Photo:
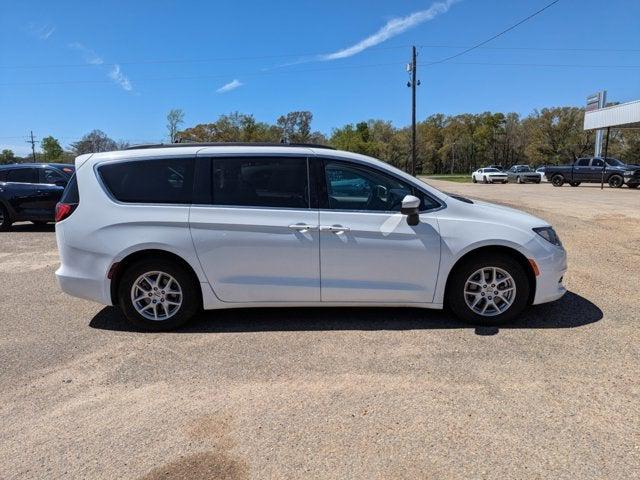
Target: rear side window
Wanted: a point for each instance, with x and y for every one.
(150, 181)
(70, 194)
(583, 162)
(261, 182)
(22, 175)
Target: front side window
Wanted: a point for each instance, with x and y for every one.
(150, 181)
(277, 182)
(22, 175)
(354, 187)
(51, 176)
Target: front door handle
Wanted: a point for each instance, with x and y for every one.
(301, 227)
(337, 229)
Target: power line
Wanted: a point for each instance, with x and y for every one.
(314, 70)
(484, 42)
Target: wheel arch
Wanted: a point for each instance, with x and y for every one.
(118, 268)
(501, 249)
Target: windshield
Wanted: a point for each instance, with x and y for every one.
(489, 170)
(614, 162)
(523, 168)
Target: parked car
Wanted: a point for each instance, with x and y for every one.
(522, 174)
(30, 191)
(214, 226)
(540, 172)
(590, 170)
(489, 175)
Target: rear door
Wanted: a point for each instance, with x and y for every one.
(23, 190)
(50, 188)
(255, 228)
(368, 251)
(581, 170)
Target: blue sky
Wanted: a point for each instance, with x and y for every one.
(70, 67)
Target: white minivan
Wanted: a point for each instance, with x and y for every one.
(167, 230)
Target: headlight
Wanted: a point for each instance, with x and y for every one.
(629, 173)
(549, 234)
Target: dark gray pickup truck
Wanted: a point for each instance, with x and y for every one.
(590, 170)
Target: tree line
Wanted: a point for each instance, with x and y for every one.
(445, 143)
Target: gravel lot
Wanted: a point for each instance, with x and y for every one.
(334, 393)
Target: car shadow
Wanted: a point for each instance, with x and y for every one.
(30, 227)
(569, 312)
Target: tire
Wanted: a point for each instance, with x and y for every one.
(5, 220)
(538, 181)
(574, 184)
(557, 180)
(473, 179)
(484, 179)
(518, 180)
(188, 286)
(616, 181)
(458, 301)
(633, 185)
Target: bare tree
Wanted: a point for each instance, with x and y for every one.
(175, 118)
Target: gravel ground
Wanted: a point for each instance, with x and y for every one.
(334, 393)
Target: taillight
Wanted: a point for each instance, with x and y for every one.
(64, 210)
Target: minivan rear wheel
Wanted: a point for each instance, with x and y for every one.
(158, 295)
(489, 289)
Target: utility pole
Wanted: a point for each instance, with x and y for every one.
(33, 146)
(413, 83)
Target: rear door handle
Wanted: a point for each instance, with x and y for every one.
(334, 228)
(301, 227)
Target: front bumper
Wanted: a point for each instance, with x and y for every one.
(549, 283)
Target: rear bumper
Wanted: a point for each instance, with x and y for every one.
(82, 287)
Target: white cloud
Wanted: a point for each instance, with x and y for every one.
(89, 55)
(393, 27)
(120, 78)
(227, 87)
(43, 32)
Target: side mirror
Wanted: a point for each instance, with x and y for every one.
(411, 208)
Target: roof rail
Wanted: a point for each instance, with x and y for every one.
(226, 144)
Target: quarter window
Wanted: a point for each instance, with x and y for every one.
(150, 181)
(278, 182)
(353, 187)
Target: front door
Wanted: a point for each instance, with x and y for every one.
(368, 252)
(257, 236)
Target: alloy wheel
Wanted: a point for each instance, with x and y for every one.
(490, 291)
(156, 295)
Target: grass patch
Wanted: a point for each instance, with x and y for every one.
(450, 178)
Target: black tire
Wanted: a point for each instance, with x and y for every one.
(557, 180)
(5, 220)
(191, 298)
(473, 179)
(633, 185)
(484, 179)
(538, 181)
(455, 296)
(574, 184)
(616, 181)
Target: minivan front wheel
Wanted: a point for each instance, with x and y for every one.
(490, 289)
(158, 295)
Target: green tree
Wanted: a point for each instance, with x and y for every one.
(7, 156)
(94, 141)
(175, 118)
(51, 149)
